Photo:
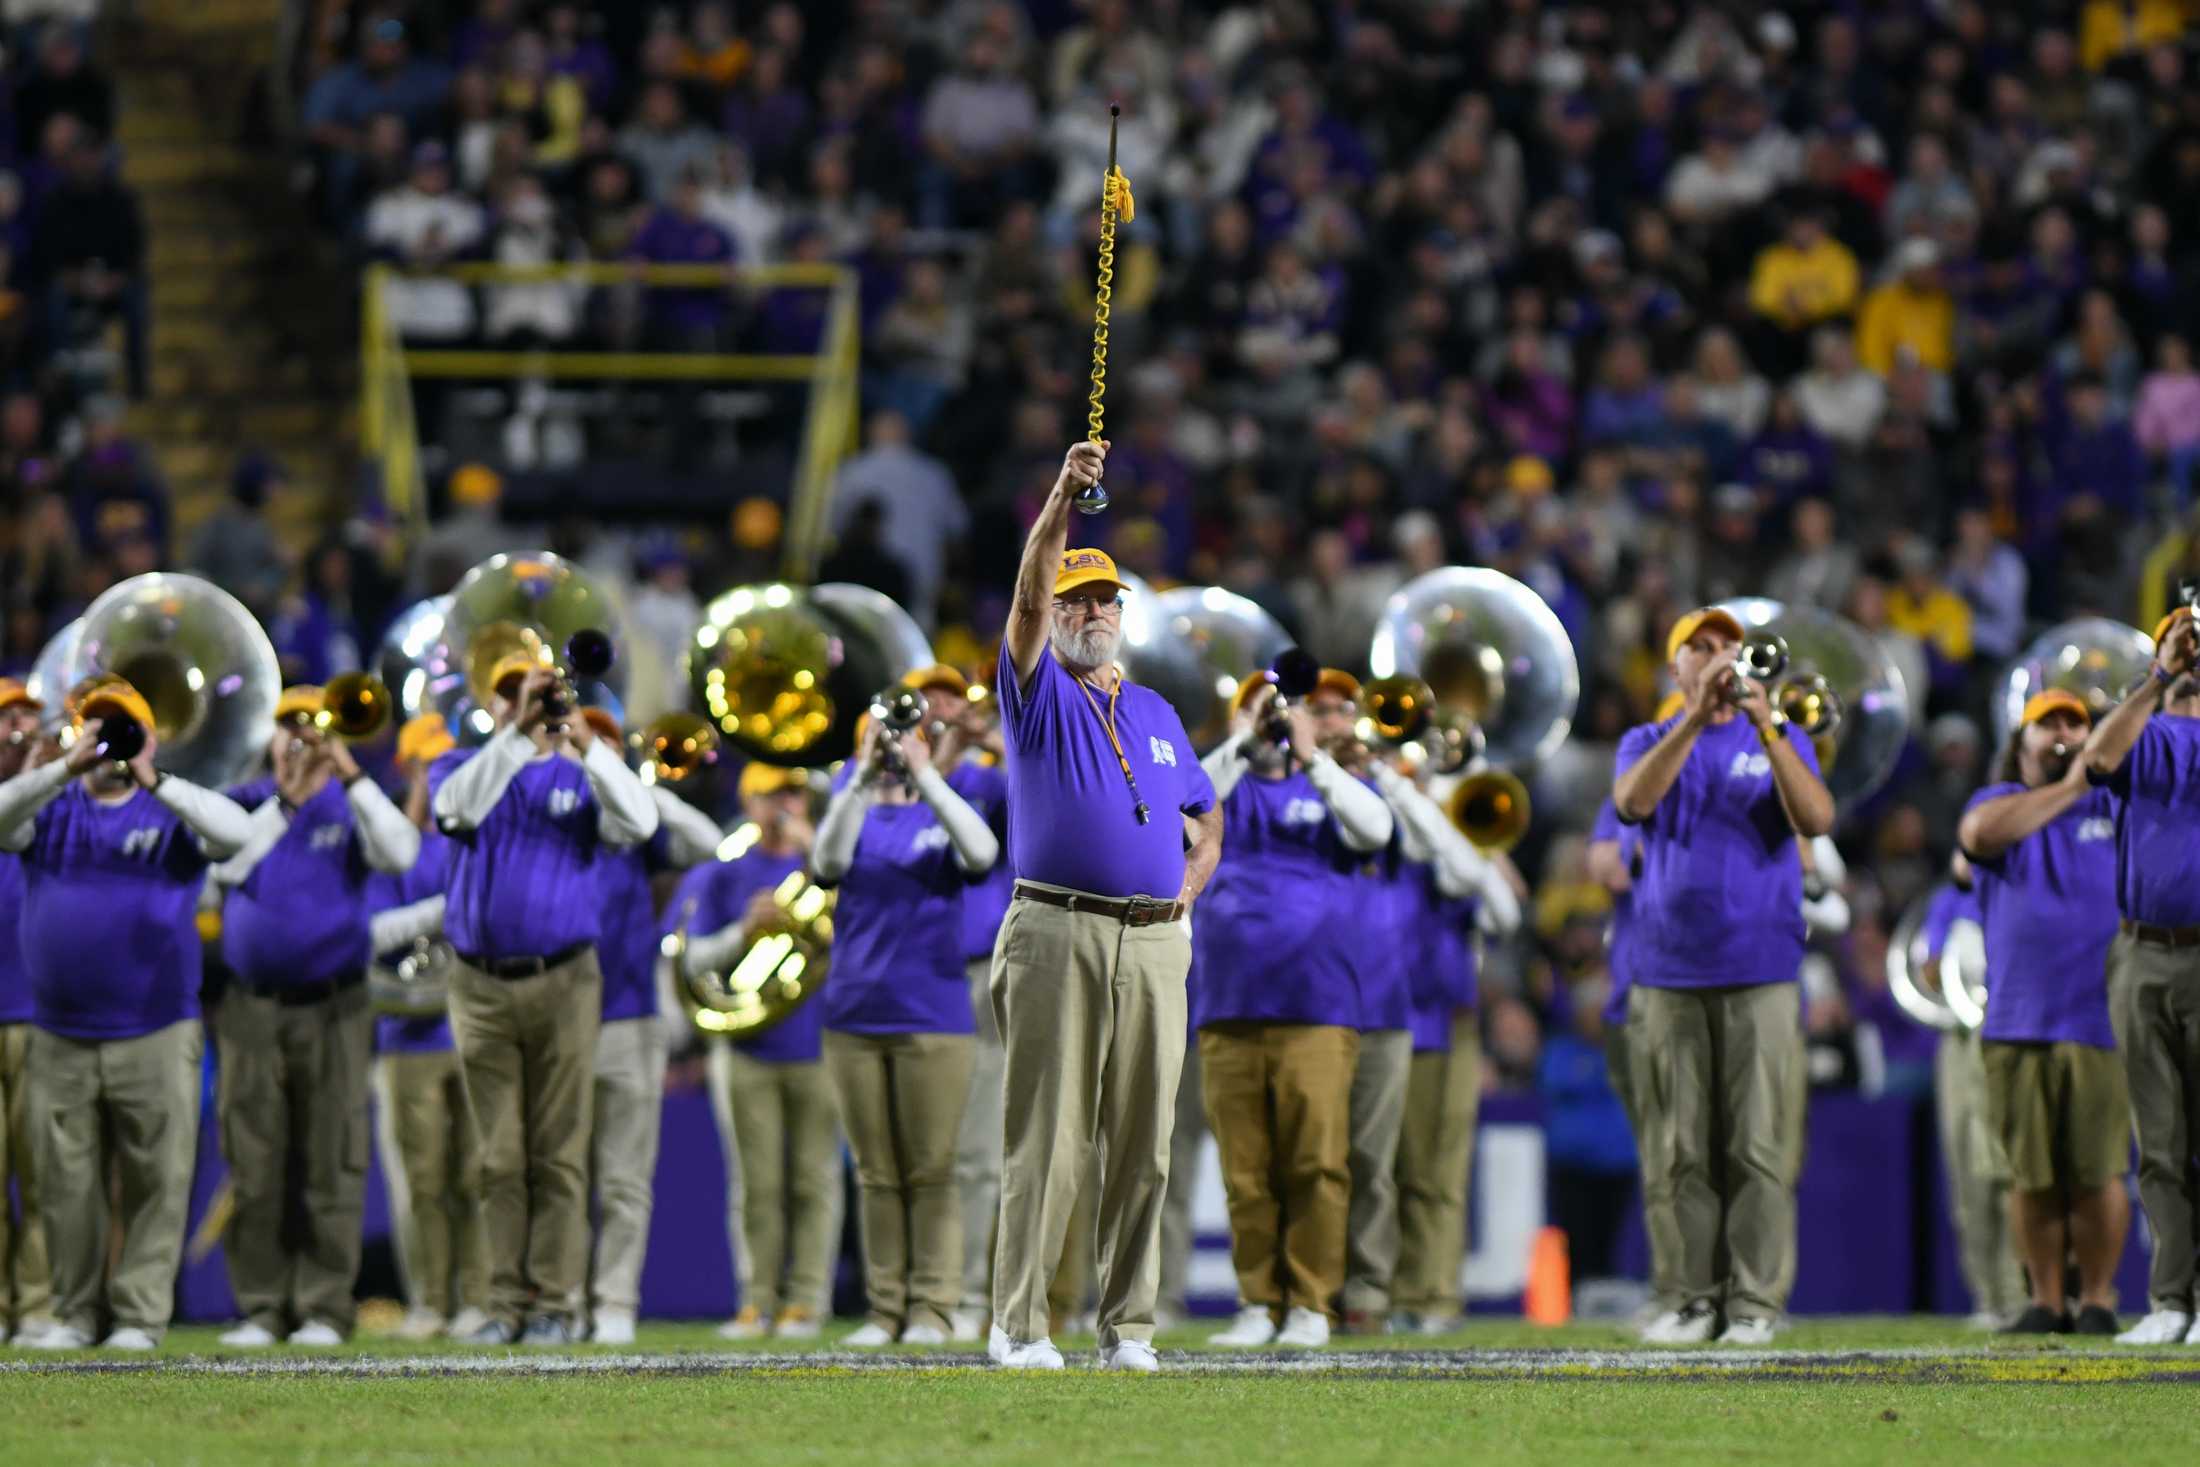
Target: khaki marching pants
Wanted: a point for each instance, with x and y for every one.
(26, 1280)
(1435, 1165)
(1623, 1047)
(978, 1149)
(901, 1098)
(1378, 1117)
(1091, 1014)
(431, 1163)
(129, 1107)
(629, 1114)
(1279, 1100)
(292, 1081)
(1178, 1227)
(2154, 1000)
(1978, 1177)
(784, 1125)
(1716, 1082)
(527, 1048)
(1071, 1287)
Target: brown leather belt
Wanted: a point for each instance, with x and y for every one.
(1137, 911)
(2154, 936)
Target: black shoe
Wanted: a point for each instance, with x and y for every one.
(547, 1330)
(2038, 1319)
(2094, 1320)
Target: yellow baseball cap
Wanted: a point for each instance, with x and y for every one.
(2176, 615)
(1085, 568)
(938, 675)
(509, 666)
(113, 695)
(603, 723)
(1697, 620)
(475, 485)
(424, 740)
(14, 694)
(2046, 701)
(300, 700)
(1669, 705)
(1339, 682)
(769, 779)
(1527, 474)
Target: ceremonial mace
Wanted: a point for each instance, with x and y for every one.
(1115, 203)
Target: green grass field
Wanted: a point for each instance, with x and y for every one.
(1846, 1391)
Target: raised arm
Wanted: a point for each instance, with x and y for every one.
(692, 837)
(2112, 739)
(625, 814)
(1990, 828)
(837, 833)
(387, 840)
(464, 800)
(1226, 765)
(268, 824)
(976, 846)
(221, 824)
(403, 926)
(1033, 607)
(22, 797)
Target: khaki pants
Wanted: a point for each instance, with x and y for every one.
(1718, 1080)
(629, 1114)
(431, 1162)
(786, 1177)
(901, 1097)
(527, 1047)
(26, 1282)
(1091, 1014)
(1177, 1232)
(1623, 1051)
(1978, 1177)
(1435, 1163)
(978, 1150)
(292, 1082)
(127, 1108)
(1279, 1098)
(1378, 1117)
(2154, 999)
(1070, 1290)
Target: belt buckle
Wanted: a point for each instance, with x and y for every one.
(1143, 911)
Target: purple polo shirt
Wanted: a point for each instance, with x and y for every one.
(430, 874)
(985, 901)
(15, 979)
(2050, 913)
(301, 916)
(666, 238)
(2158, 785)
(1388, 918)
(1265, 947)
(1070, 819)
(897, 930)
(1719, 901)
(1445, 980)
(627, 947)
(1617, 962)
(525, 882)
(719, 892)
(110, 907)
(1948, 905)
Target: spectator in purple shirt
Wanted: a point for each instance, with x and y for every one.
(385, 78)
(2098, 456)
(1788, 460)
(687, 317)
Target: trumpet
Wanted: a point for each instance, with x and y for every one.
(1294, 675)
(898, 710)
(1761, 660)
(354, 706)
(783, 966)
(1491, 809)
(1401, 712)
(677, 745)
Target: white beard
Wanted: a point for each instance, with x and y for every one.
(1081, 651)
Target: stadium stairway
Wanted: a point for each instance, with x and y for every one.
(253, 317)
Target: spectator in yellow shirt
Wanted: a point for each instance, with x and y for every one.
(1922, 605)
(1807, 278)
(1912, 312)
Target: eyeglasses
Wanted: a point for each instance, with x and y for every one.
(1085, 603)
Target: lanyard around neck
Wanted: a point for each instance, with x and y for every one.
(1107, 722)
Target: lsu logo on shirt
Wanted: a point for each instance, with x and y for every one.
(1305, 812)
(1162, 750)
(141, 842)
(1749, 766)
(326, 837)
(2100, 827)
(564, 802)
(931, 838)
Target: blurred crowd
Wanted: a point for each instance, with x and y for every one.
(1886, 309)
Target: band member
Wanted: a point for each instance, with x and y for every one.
(2152, 765)
(1721, 791)
(431, 1158)
(1614, 858)
(1088, 975)
(2043, 850)
(26, 1283)
(901, 845)
(294, 1033)
(778, 1120)
(1274, 1000)
(530, 815)
(629, 1097)
(113, 859)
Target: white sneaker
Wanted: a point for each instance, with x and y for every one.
(998, 1344)
(969, 1326)
(1133, 1355)
(467, 1321)
(1680, 1327)
(2193, 1338)
(316, 1335)
(613, 1327)
(1303, 1329)
(54, 1336)
(248, 1336)
(2162, 1327)
(420, 1324)
(130, 1338)
(1253, 1328)
(1038, 1355)
(872, 1336)
(796, 1323)
(747, 1325)
(1748, 1332)
(923, 1334)
(1987, 1321)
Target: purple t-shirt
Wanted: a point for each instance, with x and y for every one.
(429, 875)
(525, 882)
(1264, 946)
(1389, 918)
(15, 979)
(1948, 905)
(1609, 827)
(2050, 913)
(719, 892)
(1719, 901)
(301, 916)
(985, 901)
(897, 930)
(1445, 980)
(110, 908)
(627, 947)
(2158, 786)
(1070, 812)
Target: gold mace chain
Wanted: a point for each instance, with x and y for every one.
(1102, 293)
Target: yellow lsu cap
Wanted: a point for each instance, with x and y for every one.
(1695, 621)
(938, 675)
(769, 779)
(1669, 705)
(300, 700)
(113, 695)
(510, 666)
(1084, 568)
(2161, 628)
(2042, 703)
(14, 694)
(424, 740)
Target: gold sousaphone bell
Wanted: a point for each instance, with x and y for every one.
(782, 967)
